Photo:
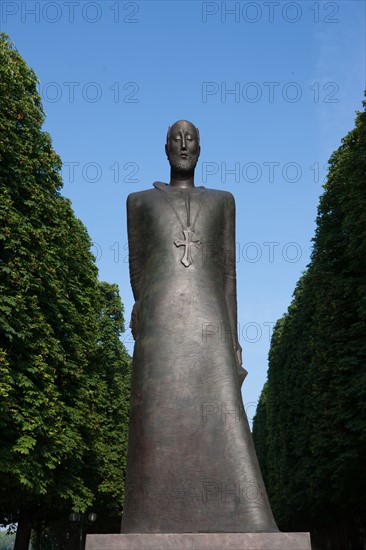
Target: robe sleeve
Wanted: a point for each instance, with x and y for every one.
(136, 257)
(230, 278)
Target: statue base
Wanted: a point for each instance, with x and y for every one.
(200, 541)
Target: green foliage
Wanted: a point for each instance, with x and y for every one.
(109, 384)
(48, 290)
(63, 370)
(310, 427)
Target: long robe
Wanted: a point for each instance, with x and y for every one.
(191, 464)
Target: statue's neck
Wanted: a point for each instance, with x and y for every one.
(182, 181)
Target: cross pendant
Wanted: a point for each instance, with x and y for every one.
(187, 243)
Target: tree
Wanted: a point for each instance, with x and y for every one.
(51, 313)
(312, 437)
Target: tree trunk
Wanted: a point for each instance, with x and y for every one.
(24, 529)
(38, 532)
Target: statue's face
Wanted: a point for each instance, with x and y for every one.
(183, 148)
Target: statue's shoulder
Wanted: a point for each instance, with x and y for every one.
(139, 197)
(144, 197)
(223, 195)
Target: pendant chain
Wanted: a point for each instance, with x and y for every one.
(187, 203)
(188, 229)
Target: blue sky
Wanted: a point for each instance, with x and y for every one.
(273, 87)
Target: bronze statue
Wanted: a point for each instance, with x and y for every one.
(191, 463)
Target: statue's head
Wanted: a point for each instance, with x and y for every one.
(183, 146)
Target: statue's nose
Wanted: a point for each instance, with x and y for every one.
(183, 142)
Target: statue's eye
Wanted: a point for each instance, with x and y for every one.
(177, 138)
(189, 137)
